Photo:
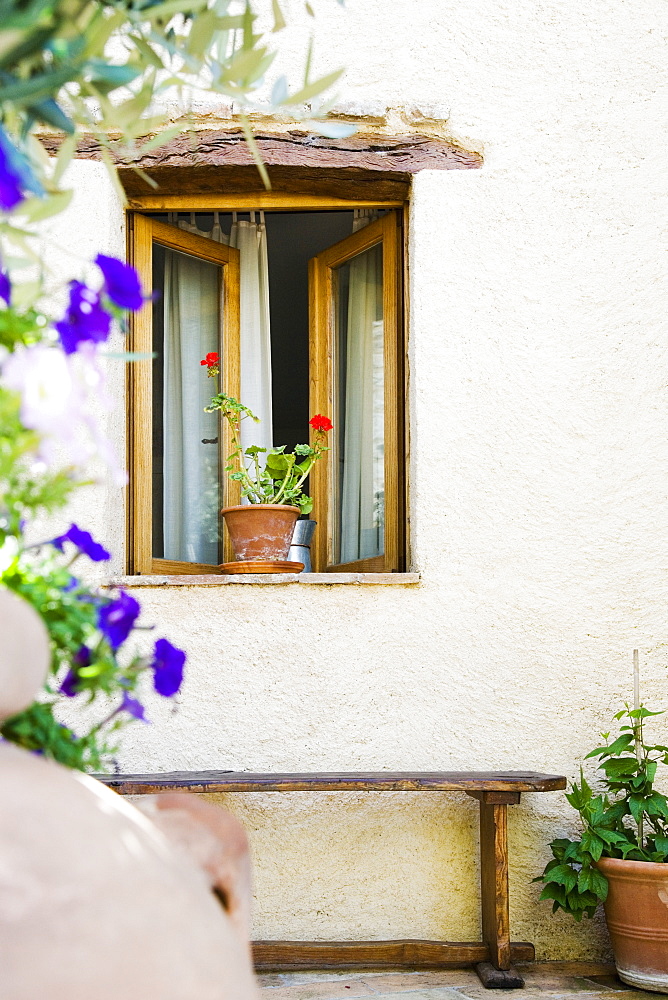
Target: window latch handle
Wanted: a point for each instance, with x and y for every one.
(209, 440)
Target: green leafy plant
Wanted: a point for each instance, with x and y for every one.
(280, 479)
(627, 819)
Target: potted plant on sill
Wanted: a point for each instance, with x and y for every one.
(261, 530)
(621, 857)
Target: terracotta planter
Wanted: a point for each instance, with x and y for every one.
(261, 532)
(636, 912)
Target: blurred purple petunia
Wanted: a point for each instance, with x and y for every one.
(134, 707)
(68, 687)
(121, 282)
(85, 319)
(84, 542)
(16, 176)
(5, 287)
(167, 668)
(116, 619)
(81, 658)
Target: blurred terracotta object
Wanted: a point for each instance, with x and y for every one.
(261, 532)
(636, 912)
(97, 902)
(24, 653)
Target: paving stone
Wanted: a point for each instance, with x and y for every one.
(396, 982)
(552, 969)
(630, 994)
(612, 981)
(438, 993)
(270, 979)
(330, 975)
(337, 989)
(562, 980)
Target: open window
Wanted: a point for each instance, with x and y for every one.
(304, 310)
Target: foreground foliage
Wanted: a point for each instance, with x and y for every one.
(628, 819)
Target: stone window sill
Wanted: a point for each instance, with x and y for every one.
(267, 579)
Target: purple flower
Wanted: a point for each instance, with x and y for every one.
(68, 687)
(121, 282)
(15, 174)
(80, 659)
(134, 707)
(116, 619)
(85, 319)
(5, 287)
(167, 668)
(84, 542)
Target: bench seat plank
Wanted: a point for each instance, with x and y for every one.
(370, 781)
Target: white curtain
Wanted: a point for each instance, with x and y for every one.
(190, 452)
(250, 239)
(190, 467)
(363, 474)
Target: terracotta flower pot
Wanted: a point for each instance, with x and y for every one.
(636, 912)
(261, 532)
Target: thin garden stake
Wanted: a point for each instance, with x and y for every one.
(637, 729)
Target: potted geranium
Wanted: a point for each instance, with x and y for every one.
(620, 858)
(271, 482)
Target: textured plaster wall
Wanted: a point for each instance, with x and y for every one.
(93, 223)
(538, 484)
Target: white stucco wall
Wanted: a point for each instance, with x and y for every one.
(538, 499)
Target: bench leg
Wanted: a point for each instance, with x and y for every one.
(498, 972)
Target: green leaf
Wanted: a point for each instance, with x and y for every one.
(50, 113)
(620, 744)
(279, 20)
(64, 158)
(564, 875)
(36, 87)
(637, 806)
(166, 11)
(599, 884)
(111, 76)
(313, 89)
(147, 53)
(593, 844)
(37, 209)
(620, 766)
(331, 129)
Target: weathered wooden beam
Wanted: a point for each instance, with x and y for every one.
(220, 162)
(294, 955)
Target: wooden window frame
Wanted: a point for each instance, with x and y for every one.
(139, 416)
(385, 232)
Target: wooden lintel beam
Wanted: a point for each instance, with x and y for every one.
(376, 167)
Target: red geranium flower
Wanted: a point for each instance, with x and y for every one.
(320, 423)
(210, 360)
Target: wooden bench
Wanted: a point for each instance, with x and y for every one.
(495, 791)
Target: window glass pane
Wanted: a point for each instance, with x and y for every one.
(186, 466)
(359, 478)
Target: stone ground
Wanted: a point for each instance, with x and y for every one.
(543, 980)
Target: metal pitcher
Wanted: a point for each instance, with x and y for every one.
(300, 547)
